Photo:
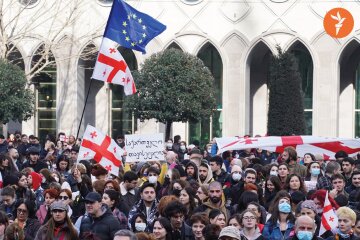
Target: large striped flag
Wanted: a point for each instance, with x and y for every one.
(329, 220)
(325, 146)
(100, 147)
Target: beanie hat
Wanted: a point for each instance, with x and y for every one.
(98, 170)
(310, 204)
(52, 192)
(36, 180)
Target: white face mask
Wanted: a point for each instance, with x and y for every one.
(140, 227)
(43, 180)
(273, 173)
(169, 145)
(153, 179)
(182, 147)
(236, 177)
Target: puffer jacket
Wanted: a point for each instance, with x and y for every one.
(141, 208)
(103, 227)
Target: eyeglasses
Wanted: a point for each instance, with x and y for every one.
(249, 218)
(19, 210)
(57, 211)
(63, 197)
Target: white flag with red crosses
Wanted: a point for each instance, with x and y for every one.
(111, 67)
(100, 147)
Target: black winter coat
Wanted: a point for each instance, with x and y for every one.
(103, 227)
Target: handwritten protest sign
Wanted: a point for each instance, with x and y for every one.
(144, 147)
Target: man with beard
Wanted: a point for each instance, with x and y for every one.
(99, 221)
(205, 174)
(216, 200)
(16, 162)
(176, 212)
(191, 171)
(147, 206)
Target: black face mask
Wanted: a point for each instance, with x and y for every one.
(122, 144)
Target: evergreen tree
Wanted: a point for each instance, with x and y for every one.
(173, 86)
(17, 101)
(286, 108)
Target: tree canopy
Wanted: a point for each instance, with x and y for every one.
(173, 86)
(286, 107)
(17, 102)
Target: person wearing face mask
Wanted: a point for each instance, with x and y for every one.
(182, 152)
(169, 145)
(280, 224)
(153, 176)
(305, 228)
(346, 222)
(273, 170)
(312, 176)
(138, 223)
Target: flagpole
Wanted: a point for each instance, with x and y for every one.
(82, 115)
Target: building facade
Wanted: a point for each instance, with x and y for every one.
(235, 39)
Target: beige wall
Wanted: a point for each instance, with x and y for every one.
(235, 29)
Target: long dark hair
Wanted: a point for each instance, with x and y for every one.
(192, 204)
(275, 181)
(70, 233)
(274, 207)
(302, 187)
(165, 223)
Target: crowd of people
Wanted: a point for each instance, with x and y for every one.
(197, 193)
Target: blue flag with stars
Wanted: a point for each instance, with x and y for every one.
(131, 28)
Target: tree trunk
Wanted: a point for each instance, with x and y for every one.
(168, 129)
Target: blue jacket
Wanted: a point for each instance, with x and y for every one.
(272, 232)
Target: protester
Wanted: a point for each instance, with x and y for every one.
(59, 225)
(99, 221)
(194, 193)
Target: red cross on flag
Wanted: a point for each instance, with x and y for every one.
(100, 147)
(329, 220)
(111, 67)
(325, 146)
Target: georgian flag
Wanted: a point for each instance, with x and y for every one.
(100, 147)
(325, 146)
(329, 220)
(111, 67)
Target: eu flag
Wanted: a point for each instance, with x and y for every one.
(131, 28)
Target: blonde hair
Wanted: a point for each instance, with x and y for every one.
(347, 213)
(81, 167)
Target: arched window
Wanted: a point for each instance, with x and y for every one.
(305, 67)
(205, 130)
(122, 121)
(45, 92)
(174, 45)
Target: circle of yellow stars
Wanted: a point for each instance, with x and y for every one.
(125, 24)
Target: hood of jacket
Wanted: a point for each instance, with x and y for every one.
(209, 176)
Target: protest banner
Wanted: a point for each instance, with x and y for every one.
(145, 147)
